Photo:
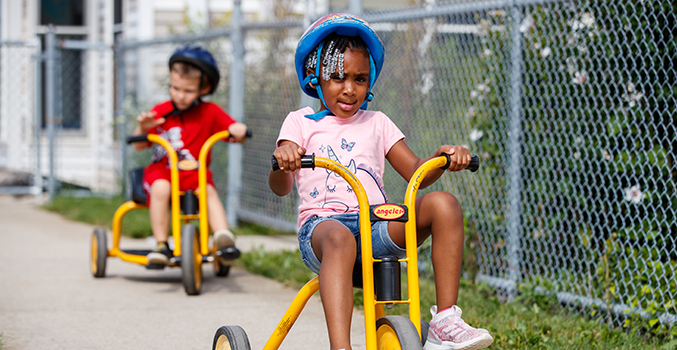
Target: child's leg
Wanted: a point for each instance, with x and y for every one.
(335, 246)
(215, 210)
(160, 194)
(218, 220)
(439, 214)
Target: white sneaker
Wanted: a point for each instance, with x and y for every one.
(223, 239)
(160, 256)
(449, 331)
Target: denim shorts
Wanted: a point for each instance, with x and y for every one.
(381, 243)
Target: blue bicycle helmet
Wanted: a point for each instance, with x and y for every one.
(341, 24)
(200, 58)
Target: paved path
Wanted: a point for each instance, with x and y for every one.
(49, 300)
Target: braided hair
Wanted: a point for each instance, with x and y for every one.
(332, 56)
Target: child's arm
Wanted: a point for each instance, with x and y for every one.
(237, 132)
(146, 121)
(405, 162)
(288, 155)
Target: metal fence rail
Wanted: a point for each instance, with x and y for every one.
(569, 104)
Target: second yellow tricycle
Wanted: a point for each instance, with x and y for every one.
(191, 240)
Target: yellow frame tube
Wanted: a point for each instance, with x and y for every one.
(175, 195)
(202, 186)
(410, 238)
(365, 239)
(292, 314)
(117, 233)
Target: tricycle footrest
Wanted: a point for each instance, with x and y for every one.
(228, 253)
(155, 266)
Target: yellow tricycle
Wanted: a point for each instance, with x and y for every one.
(191, 241)
(378, 277)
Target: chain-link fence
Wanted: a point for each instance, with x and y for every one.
(19, 143)
(570, 106)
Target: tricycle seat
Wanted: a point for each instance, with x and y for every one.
(136, 183)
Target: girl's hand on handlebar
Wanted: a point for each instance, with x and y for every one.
(288, 156)
(147, 121)
(459, 157)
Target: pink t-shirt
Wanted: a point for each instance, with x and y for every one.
(360, 143)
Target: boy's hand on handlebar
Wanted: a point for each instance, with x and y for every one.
(288, 156)
(238, 132)
(147, 121)
(459, 157)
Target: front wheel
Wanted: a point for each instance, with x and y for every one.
(396, 333)
(99, 252)
(191, 260)
(231, 338)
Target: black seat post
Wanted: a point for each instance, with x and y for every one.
(189, 203)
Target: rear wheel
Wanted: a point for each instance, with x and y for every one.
(231, 338)
(396, 333)
(99, 252)
(191, 260)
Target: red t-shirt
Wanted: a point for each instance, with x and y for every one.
(188, 131)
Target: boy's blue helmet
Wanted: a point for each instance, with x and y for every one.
(341, 24)
(199, 57)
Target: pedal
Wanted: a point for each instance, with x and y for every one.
(228, 253)
(155, 266)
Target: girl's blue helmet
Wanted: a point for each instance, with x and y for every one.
(341, 24)
(200, 58)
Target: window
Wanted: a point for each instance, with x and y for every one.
(62, 12)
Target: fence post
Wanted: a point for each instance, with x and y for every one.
(308, 18)
(355, 7)
(50, 103)
(37, 179)
(236, 110)
(119, 116)
(514, 224)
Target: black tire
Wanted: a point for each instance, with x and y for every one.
(396, 333)
(231, 338)
(99, 252)
(220, 270)
(191, 260)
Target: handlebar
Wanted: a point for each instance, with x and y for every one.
(144, 138)
(308, 161)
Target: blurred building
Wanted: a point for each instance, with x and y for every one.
(86, 151)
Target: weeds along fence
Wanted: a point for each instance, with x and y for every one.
(570, 105)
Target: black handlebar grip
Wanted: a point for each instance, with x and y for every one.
(307, 161)
(473, 166)
(138, 138)
(248, 133)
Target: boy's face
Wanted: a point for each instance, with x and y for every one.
(184, 91)
(344, 96)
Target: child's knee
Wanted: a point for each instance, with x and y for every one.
(338, 238)
(160, 188)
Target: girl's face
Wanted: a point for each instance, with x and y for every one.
(344, 96)
(184, 91)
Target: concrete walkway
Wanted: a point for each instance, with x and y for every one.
(49, 300)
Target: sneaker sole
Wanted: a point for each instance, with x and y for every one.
(477, 343)
(223, 241)
(157, 258)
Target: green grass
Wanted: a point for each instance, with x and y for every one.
(136, 224)
(532, 321)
